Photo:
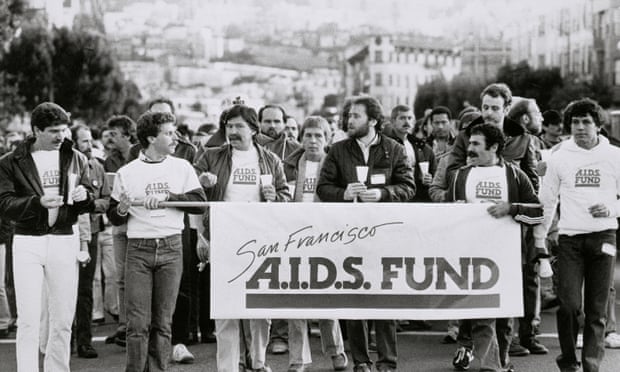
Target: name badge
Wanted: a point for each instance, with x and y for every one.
(377, 179)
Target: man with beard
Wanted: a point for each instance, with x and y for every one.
(487, 174)
(390, 179)
(419, 154)
(232, 173)
(272, 123)
(271, 119)
(82, 138)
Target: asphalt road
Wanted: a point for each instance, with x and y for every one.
(417, 351)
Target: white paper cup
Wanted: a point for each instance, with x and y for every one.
(423, 167)
(362, 173)
(70, 187)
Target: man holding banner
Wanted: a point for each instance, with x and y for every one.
(488, 179)
(154, 261)
(584, 173)
(241, 171)
(369, 167)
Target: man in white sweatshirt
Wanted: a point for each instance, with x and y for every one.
(585, 174)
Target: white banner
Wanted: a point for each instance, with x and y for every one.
(363, 261)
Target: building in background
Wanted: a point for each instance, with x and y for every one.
(391, 68)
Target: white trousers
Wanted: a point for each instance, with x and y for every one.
(45, 264)
(236, 337)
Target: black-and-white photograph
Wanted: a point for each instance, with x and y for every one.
(309, 185)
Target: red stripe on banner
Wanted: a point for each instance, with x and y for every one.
(369, 301)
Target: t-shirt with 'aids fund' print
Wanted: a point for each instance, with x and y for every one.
(47, 163)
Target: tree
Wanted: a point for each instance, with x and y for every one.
(540, 84)
(28, 65)
(431, 94)
(10, 16)
(75, 70)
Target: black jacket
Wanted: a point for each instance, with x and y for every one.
(387, 158)
(21, 190)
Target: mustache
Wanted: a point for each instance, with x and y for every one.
(472, 154)
(234, 137)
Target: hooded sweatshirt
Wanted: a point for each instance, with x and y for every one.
(582, 178)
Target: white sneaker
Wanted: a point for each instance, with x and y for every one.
(181, 355)
(612, 341)
(579, 343)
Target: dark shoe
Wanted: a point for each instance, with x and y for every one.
(4, 333)
(110, 339)
(462, 359)
(86, 351)
(114, 316)
(536, 347)
(517, 350)
(121, 339)
(208, 338)
(508, 368)
(362, 367)
(99, 321)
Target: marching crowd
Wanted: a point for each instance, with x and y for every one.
(85, 228)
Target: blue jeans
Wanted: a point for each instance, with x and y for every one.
(152, 278)
(385, 331)
(581, 261)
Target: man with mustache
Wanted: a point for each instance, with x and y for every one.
(403, 122)
(441, 138)
(44, 186)
(489, 179)
(238, 171)
(82, 138)
(390, 179)
(272, 124)
(273, 121)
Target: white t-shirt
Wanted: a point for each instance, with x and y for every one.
(47, 163)
(244, 182)
(486, 184)
(139, 179)
(310, 180)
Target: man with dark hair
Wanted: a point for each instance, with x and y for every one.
(120, 129)
(272, 124)
(487, 178)
(241, 171)
(584, 173)
(82, 139)
(441, 138)
(389, 179)
(291, 128)
(154, 261)
(552, 128)
(44, 186)
(419, 154)
(520, 148)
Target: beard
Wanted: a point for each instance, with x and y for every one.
(359, 132)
